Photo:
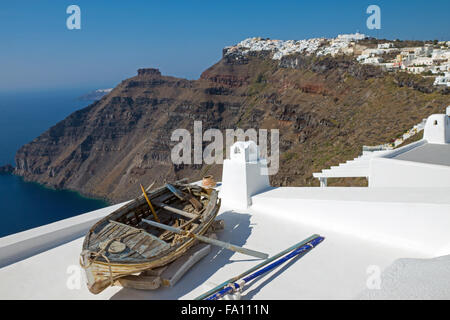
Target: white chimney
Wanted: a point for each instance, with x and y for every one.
(243, 175)
(437, 128)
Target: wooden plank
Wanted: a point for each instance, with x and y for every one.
(175, 210)
(105, 229)
(152, 244)
(164, 197)
(155, 250)
(149, 251)
(118, 232)
(133, 241)
(179, 267)
(106, 234)
(140, 282)
(110, 228)
(154, 272)
(143, 245)
(131, 227)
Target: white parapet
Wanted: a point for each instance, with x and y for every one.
(28, 243)
(244, 175)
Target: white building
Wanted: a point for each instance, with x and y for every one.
(386, 45)
(440, 68)
(423, 51)
(373, 60)
(441, 54)
(407, 58)
(362, 57)
(420, 61)
(390, 66)
(414, 69)
(373, 52)
(443, 80)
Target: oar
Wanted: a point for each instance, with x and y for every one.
(185, 197)
(215, 242)
(175, 210)
(240, 284)
(149, 204)
(150, 186)
(262, 264)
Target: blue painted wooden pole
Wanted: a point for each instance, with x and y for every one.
(234, 286)
(258, 266)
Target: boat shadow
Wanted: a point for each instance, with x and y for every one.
(237, 231)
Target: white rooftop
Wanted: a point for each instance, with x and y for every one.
(337, 269)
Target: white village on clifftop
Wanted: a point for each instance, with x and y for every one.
(430, 60)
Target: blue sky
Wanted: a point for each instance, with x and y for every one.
(181, 38)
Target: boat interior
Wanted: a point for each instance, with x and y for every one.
(124, 236)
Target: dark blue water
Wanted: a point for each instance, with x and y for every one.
(23, 116)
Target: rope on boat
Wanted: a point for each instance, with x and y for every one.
(93, 255)
(239, 285)
(101, 254)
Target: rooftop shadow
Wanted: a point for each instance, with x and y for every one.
(249, 293)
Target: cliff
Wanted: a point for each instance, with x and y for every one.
(325, 108)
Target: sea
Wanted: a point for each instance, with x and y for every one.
(23, 117)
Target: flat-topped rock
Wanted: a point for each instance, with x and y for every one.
(149, 72)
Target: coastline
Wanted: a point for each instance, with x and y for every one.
(81, 194)
(29, 204)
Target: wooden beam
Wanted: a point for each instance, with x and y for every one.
(175, 210)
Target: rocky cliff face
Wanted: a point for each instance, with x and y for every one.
(325, 108)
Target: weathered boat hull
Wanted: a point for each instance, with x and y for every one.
(102, 274)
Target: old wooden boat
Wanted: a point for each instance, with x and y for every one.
(122, 244)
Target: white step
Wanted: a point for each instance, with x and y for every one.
(342, 173)
(349, 166)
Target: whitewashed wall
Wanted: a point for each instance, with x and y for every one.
(25, 244)
(400, 173)
(414, 225)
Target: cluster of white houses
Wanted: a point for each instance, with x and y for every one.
(343, 43)
(429, 60)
